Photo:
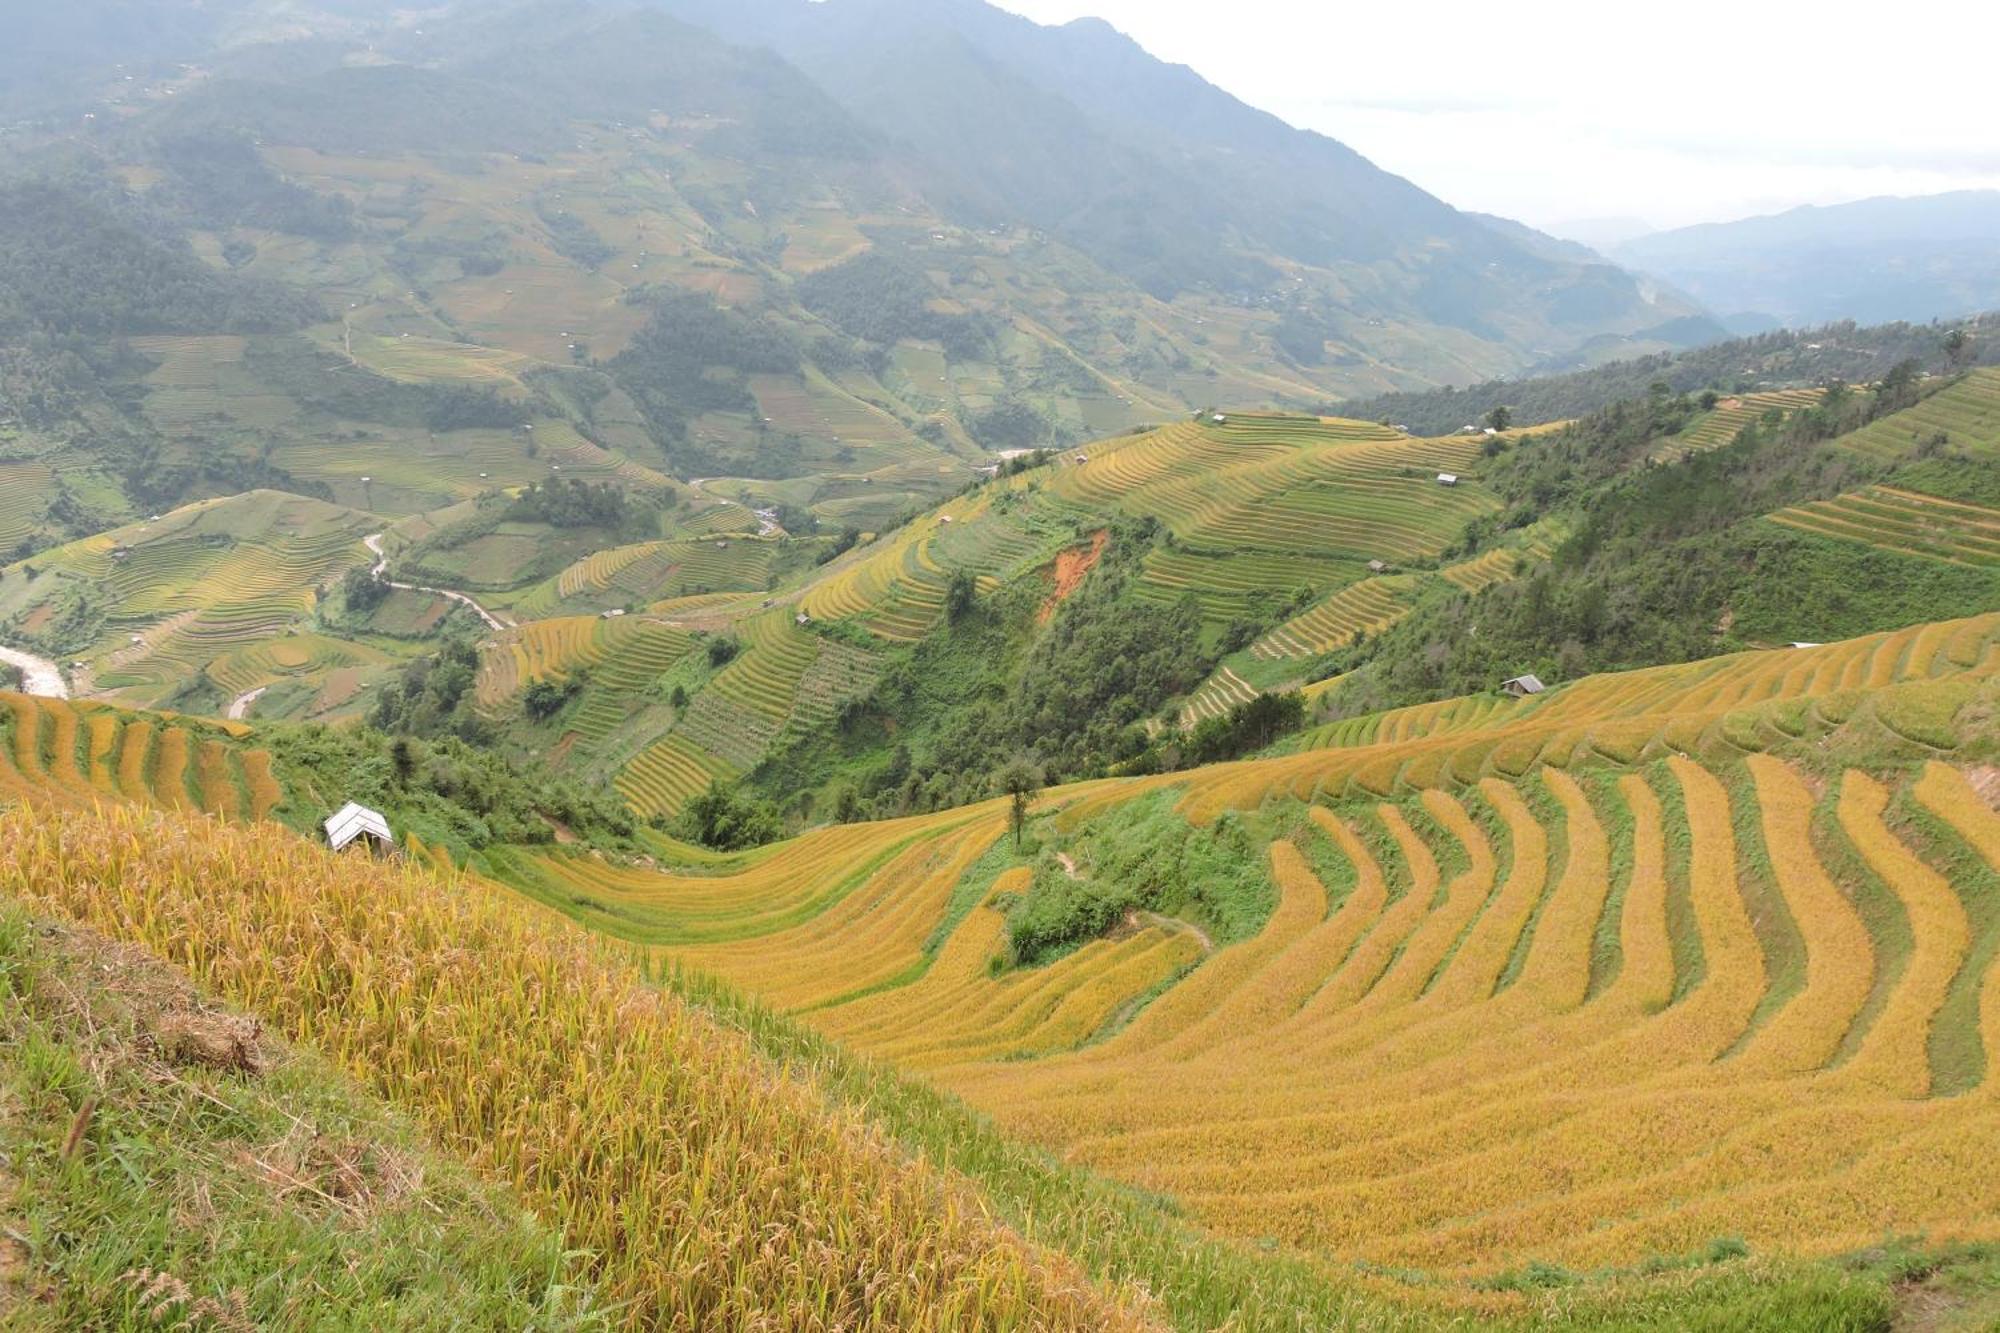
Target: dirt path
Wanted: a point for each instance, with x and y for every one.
(239, 707)
(39, 676)
(380, 574)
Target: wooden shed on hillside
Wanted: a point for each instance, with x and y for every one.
(1447, 479)
(356, 824)
(1523, 686)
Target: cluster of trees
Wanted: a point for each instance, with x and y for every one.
(218, 181)
(1144, 857)
(324, 382)
(1010, 424)
(543, 699)
(452, 794)
(573, 238)
(728, 819)
(1666, 564)
(667, 368)
(567, 502)
(996, 687)
(71, 264)
(361, 592)
(884, 299)
(432, 697)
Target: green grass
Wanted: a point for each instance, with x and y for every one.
(219, 1180)
(1770, 916)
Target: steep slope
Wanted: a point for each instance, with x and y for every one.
(1162, 177)
(1416, 1019)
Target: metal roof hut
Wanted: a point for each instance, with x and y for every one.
(1523, 686)
(1447, 479)
(358, 824)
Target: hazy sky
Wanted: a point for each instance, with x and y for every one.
(1553, 110)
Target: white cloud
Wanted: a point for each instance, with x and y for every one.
(1705, 110)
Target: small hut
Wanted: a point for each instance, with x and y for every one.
(1378, 566)
(1447, 479)
(357, 824)
(1523, 686)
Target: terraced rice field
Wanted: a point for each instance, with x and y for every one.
(1217, 695)
(897, 586)
(1336, 489)
(294, 657)
(1891, 519)
(82, 754)
(622, 654)
(1228, 587)
(650, 572)
(665, 775)
(24, 491)
(1966, 416)
(201, 584)
(435, 361)
(1730, 418)
(1360, 609)
(1580, 981)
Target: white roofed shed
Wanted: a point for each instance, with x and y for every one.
(354, 823)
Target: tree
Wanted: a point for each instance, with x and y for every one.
(1020, 780)
(1955, 344)
(724, 819)
(959, 596)
(1500, 417)
(402, 757)
(362, 591)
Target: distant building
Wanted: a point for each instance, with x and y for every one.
(358, 824)
(1221, 420)
(1523, 686)
(944, 518)
(1808, 645)
(613, 615)
(1378, 566)
(802, 619)
(1447, 479)
(1083, 458)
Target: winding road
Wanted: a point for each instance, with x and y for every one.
(40, 677)
(380, 574)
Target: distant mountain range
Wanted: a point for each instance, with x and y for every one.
(1874, 261)
(941, 111)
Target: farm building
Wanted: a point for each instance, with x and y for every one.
(1447, 479)
(1523, 686)
(1378, 566)
(358, 824)
(1083, 458)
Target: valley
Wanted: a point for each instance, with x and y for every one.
(969, 685)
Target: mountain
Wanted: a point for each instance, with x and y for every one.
(1877, 260)
(1168, 180)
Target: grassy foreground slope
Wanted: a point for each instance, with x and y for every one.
(703, 1187)
(1687, 957)
(136, 1107)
